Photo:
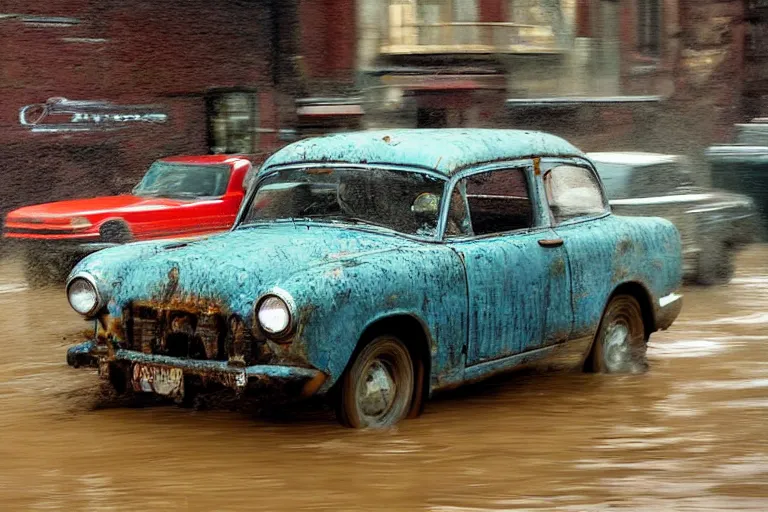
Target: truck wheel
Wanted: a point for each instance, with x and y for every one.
(716, 266)
(377, 389)
(621, 342)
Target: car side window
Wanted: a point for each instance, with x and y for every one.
(497, 202)
(573, 192)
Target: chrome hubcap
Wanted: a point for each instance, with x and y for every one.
(377, 394)
(618, 353)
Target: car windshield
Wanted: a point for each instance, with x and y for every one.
(177, 180)
(407, 202)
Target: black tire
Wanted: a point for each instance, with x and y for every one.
(621, 341)
(377, 389)
(115, 232)
(716, 265)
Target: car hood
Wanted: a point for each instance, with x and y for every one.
(93, 206)
(231, 270)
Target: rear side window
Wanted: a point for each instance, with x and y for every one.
(573, 192)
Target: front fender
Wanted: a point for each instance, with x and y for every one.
(336, 304)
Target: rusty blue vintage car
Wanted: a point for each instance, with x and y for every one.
(378, 267)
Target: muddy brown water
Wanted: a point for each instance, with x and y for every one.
(691, 434)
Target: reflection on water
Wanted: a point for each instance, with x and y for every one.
(688, 435)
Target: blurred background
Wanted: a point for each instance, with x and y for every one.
(93, 92)
(246, 76)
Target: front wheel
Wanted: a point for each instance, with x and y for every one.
(377, 389)
(621, 341)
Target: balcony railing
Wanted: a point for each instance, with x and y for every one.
(469, 37)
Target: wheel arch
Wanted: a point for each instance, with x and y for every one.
(643, 297)
(416, 336)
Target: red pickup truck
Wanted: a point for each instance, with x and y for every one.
(179, 197)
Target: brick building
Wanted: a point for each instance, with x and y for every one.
(183, 76)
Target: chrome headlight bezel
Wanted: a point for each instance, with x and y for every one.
(98, 302)
(290, 308)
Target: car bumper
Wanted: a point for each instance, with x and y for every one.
(301, 381)
(667, 310)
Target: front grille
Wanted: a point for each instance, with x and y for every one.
(177, 333)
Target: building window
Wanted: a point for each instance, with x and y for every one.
(649, 27)
(232, 121)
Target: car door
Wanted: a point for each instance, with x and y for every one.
(517, 272)
(591, 238)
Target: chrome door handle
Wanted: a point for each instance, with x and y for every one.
(551, 242)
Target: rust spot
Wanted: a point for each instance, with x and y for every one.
(334, 273)
(558, 267)
(386, 139)
(311, 387)
(190, 304)
(537, 166)
(624, 245)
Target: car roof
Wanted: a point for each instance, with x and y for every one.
(634, 158)
(203, 159)
(444, 150)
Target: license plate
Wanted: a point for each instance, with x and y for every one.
(158, 379)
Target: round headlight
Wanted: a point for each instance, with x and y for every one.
(274, 315)
(83, 296)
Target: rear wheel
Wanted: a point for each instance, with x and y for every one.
(377, 389)
(621, 341)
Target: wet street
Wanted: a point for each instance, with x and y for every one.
(691, 434)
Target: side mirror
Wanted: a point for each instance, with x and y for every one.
(426, 204)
